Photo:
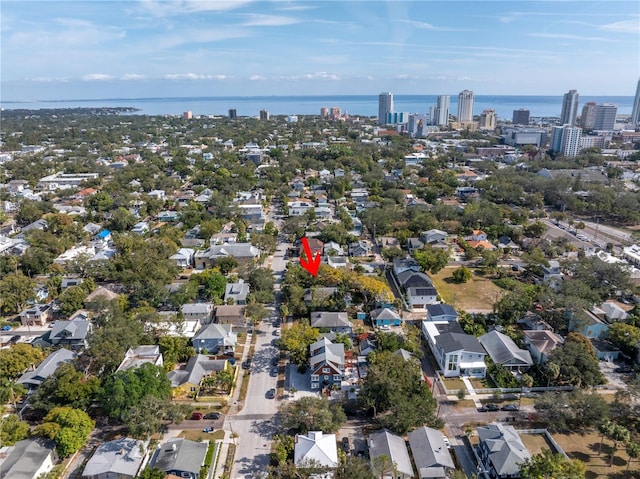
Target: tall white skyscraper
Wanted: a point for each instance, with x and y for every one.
(385, 106)
(569, 108)
(441, 114)
(635, 113)
(465, 106)
(565, 140)
(605, 117)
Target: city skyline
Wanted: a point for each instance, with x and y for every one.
(77, 49)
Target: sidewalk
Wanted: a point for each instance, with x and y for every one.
(472, 392)
(222, 456)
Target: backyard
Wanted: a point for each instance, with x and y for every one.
(476, 295)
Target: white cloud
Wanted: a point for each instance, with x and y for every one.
(404, 76)
(568, 36)
(168, 8)
(97, 77)
(201, 36)
(47, 80)
(193, 76)
(312, 76)
(257, 78)
(429, 26)
(132, 76)
(626, 26)
(269, 21)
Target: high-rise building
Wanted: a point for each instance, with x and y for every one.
(569, 108)
(565, 140)
(187, 115)
(588, 116)
(417, 126)
(520, 117)
(324, 112)
(385, 106)
(635, 113)
(233, 113)
(465, 106)
(397, 118)
(334, 112)
(488, 119)
(441, 113)
(605, 116)
(264, 114)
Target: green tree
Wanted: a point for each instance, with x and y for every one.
(633, 451)
(626, 337)
(547, 465)
(10, 392)
(261, 281)
(431, 259)
(578, 362)
(152, 473)
(462, 274)
(296, 340)
(68, 427)
(66, 387)
(72, 299)
(16, 290)
(12, 430)
(226, 265)
(313, 414)
(15, 360)
(618, 434)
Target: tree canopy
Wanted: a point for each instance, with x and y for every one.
(312, 414)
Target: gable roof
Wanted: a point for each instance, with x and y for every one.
(326, 319)
(181, 455)
(415, 279)
(429, 451)
(218, 331)
(384, 313)
(503, 350)
(506, 450)
(119, 457)
(47, 367)
(450, 342)
(197, 367)
(25, 458)
(386, 443)
(440, 309)
(324, 351)
(316, 447)
(543, 340)
(77, 328)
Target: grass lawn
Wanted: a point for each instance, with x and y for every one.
(199, 435)
(584, 447)
(478, 294)
(536, 443)
(453, 383)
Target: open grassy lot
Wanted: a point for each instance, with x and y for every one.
(478, 294)
(200, 435)
(536, 443)
(584, 447)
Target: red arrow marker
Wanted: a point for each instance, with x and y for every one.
(310, 264)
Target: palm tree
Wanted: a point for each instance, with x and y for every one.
(10, 391)
(552, 371)
(619, 434)
(606, 429)
(633, 451)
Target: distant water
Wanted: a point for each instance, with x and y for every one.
(355, 105)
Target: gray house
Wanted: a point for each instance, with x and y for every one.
(215, 338)
(34, 378)
(501, 450)
(502, 350)
(200, 311)
(336, 322)
(327, 364)
(118, 459)
(181, 457)
(386, 443)
(441, 312)
(72, 334)
(196, 369)
(430, 453)
(28, 459)
(237, 292)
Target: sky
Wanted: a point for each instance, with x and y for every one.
(62, 50)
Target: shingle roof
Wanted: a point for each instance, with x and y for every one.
(75, 329)
(197, 367)
(47, 367)
(506, 450)
(327, 352)
(384, 313)
(119, 457)
(181, 455)
(450, 342)
(325, 319)
(393, 446)
(503, 350)
(316, 447)
(429, 450)
(26, 457)
(218, 331)
(441, 309)
(413, 279)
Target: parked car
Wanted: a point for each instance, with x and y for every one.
(212, 415)
(274, 372)
(346, 444)
(275, 361)
(6, 328)
(271, 393)
(490, 407)
(196, 416)
(623, 369)
(510, 407)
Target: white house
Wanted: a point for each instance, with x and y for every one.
(184, 257)
(457, 353)
(316, 448)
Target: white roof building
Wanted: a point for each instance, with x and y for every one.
(316, 448)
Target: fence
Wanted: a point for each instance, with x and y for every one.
(524, 391)
(550, 440)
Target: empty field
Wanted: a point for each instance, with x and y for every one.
(477, 295)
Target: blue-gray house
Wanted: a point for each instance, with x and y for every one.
(385, 317)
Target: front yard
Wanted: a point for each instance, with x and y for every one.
(477, 294)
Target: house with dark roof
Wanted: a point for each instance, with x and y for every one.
(418, 288)
(386, 443)
(385, 317)
(441, 312)
(502, 350)
(28, 459)
(181, 457)
(215, 338)
(327, 364)
(430, 453)
(35, 377)
(540, 343)
(501, 450)
(338, 322)
(197, 368)
(457, 353)
(120, 458)
(72, 334)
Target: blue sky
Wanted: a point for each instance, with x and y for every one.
(55, 50)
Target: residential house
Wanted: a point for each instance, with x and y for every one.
(430, 453)
(337, 261)
(239, 251)
(336, 322)
(441, 312)
(319, 294)
(434, 236)
(457, 353)
(360, 248)
(331, 248)
(28, 459)
(501, 450)
(502, 350)
(418, 288)
(588, 324)
(386, 443)
(366, 346)
(400, 265)
(184, 257)
(34, 377)
(100, 294)
(136, 357)
(168, 216)
(327, 364)
(202, 312)
(613, 312)
(316, 449)
(181, 457)
(414, 244)
(223, 238)
(478, 239)
(385, 317)
(230, 314)
(118, 459)
(72, 334)
(236, 293)
(552, 274)
(168, 324)
(197, 368)
(140, 228)
(36, 315)
(315, 246)
(540, 343)
(216, 338)
(299, 207)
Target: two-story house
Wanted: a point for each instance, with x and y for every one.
(181, 457)
(457, 353)
(327, 364)
(501, 450)
(215, 338)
